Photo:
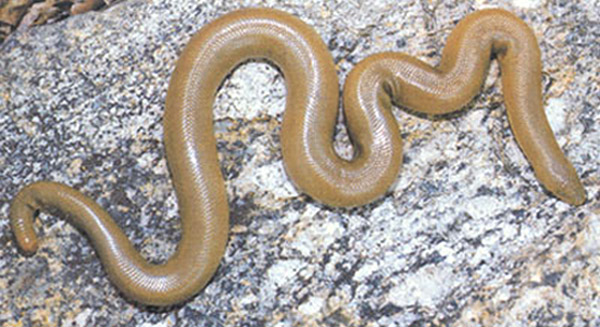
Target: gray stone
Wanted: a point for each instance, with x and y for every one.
(467, 237)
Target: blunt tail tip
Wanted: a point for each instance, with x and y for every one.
(28, 245)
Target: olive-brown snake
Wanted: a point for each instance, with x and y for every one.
(308, 126)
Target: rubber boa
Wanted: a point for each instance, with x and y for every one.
(389, 77)
(307, 132)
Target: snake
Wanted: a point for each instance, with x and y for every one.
(372, 88)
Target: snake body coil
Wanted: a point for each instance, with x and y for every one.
(307, 133)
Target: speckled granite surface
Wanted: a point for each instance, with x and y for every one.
(466, 238)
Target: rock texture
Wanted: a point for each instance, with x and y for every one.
(466, 238)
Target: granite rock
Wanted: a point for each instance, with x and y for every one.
(467, 236)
